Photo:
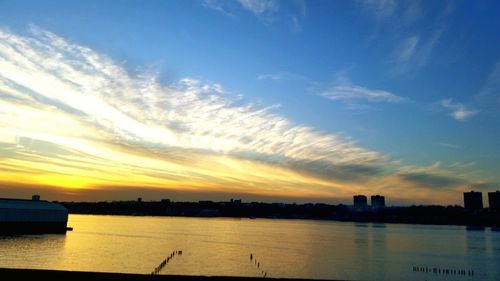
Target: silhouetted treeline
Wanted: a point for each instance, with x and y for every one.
(413, 214)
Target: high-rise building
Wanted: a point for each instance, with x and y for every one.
(360, 201)
(473, 200)
(494, 200)
(378, 201)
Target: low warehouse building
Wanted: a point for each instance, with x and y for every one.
(32, 216)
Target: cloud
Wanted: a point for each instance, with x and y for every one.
(457, 110)
(219, 6)
(435, 175)
(431, 180)
(416, 51)
(348, 92)
(408, 49)
(259, 7)
(286, 77)
(489, 95)
(450, 145)
(379, 9)
(132, 130)
(268, 12)
(275, 76)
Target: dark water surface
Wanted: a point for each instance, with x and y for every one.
(283, 248)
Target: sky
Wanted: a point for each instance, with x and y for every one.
(264, 100)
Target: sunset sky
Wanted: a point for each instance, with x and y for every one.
(294, 101)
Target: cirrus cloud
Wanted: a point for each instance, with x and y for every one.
(349, 92)
(57, 92)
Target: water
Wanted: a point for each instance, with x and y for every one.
(284, 248)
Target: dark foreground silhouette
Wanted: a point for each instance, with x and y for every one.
(37, 274)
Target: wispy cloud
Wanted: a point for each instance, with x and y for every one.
(412, 50)
(378, 8)
(457, 110)
(188, 134)
(489, 95)
(349, 92)
(259, 7)
(416, 50)
(405, 12)
(408, 49)
(268, 12)
(287, 76)
(218, 5)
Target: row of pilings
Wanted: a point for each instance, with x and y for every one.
(258, 266)
(164, 262)
(444, 271)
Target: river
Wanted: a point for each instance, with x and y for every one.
(280, 248)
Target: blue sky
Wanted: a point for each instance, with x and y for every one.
(416, 82)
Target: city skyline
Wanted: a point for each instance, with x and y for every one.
(293, 101)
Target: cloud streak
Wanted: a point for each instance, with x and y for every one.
(259, 7)
(380, 9)
(267, 12)
(416, 50)
(457, 110)
(219, 6)
(408, 49)
(349, 92)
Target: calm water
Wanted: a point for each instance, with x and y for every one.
(284, 248)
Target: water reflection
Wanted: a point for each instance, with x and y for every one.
(362, 246)
(31, 251)
(475, 239)
(378, 256)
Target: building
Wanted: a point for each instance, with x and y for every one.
(360, 201)
(32, 216)
(235, 201)
(494, 200)
(473, 200)
(378, 201)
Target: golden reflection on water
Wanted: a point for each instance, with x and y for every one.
(284, 248)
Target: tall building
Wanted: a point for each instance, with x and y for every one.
(360, 201)
(473, 200)
(378, 201)
(494, 200)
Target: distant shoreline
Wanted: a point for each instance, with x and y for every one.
(424, 215)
